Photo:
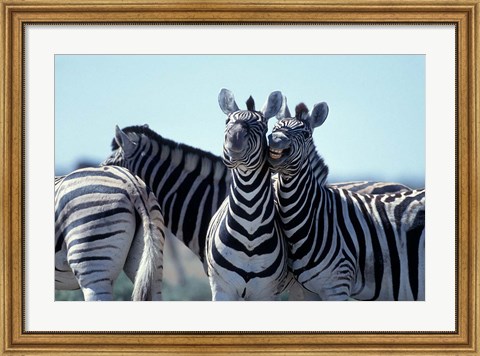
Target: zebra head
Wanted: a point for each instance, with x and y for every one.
(291, 138)
(127, 144)
(245, 131)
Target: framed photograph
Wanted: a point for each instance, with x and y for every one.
(401, 86)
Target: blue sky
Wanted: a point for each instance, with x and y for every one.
(375, 129)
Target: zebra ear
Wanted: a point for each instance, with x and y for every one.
(123, 140)
(319, 115)
(227, 101)
(273, 105)
(284, 111)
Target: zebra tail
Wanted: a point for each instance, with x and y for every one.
(150, 268)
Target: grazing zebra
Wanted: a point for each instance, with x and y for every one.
(246, 253)
(106, 220)
(344, 244)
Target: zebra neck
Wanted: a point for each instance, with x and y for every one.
(305, 176)
(302, 202)
(251, 187)
(251, 203)
(298, 192)
(190, 186)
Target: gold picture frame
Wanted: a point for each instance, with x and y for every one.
(464, 14)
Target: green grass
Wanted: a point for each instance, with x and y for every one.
(122, 290)
(193, 289)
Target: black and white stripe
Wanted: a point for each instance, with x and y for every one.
(190, 184)
(106, 220)
(369, 187)
(246, 254)
(344, 244)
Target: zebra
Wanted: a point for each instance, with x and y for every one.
(369, 187)
(246, 253)
(190, 184)
(343, 244)
(106, 220)
(321, 171)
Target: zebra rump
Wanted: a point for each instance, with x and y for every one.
(106, 220)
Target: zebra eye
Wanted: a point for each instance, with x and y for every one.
(306, 134)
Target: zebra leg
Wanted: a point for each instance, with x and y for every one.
(219, 291)
(415, 241)
(64, 277)
(175, 259)
(221, 295)
(100, 291)
(96, 276)
(95, 281)
(421, 268)
(297, 292)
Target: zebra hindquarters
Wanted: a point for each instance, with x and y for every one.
(97, 246)
(96, 212)
(64, 277)
(144, 264)
(97, 263)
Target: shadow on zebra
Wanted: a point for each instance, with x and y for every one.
(344, 244)
(106, 220)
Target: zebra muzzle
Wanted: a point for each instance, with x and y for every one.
(275, 154)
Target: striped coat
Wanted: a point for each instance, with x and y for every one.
(344, 244)
(246, 253)
(106, 220)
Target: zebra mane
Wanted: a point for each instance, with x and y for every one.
(250, 104)
(193, 155)
(300, 110)
(145, 130)
(319, 168)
